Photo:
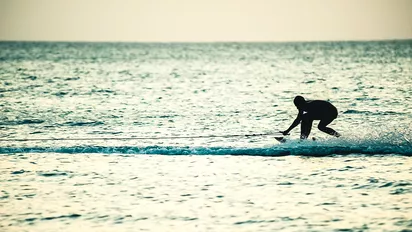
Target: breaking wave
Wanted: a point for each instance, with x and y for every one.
(305, 148)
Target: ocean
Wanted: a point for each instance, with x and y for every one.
(181, 137)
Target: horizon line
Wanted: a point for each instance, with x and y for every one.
(199, 42)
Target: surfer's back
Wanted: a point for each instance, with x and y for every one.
(321, 109)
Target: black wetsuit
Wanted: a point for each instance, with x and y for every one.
(315, 110)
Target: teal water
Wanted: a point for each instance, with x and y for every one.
(73, 92)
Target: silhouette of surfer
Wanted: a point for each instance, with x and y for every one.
(310, 111)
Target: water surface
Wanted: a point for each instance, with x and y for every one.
(59, 101)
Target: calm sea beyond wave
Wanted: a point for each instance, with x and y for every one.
(181, 137)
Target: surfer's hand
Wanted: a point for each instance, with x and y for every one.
(284, 132)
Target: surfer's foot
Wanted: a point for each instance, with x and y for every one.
(302, 137)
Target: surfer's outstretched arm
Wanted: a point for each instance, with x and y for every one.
(294, 124)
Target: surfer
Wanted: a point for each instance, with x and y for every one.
(310, 111)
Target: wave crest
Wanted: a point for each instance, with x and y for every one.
(304, 148)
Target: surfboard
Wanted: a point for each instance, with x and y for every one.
(281, 139)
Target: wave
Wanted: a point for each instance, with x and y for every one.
(373, 113)
(22, 122)
(92, 123)
(305, 148)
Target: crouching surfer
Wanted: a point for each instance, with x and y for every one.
(310, 111)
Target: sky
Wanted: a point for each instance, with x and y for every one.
(205, 20)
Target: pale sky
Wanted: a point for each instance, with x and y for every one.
(205, 20)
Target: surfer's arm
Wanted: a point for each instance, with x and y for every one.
(294, 124)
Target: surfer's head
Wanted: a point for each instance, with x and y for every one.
(299, 101)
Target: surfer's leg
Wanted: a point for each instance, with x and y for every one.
(322, 127)
(305, 127)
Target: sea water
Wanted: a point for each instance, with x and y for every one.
(167, 137)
